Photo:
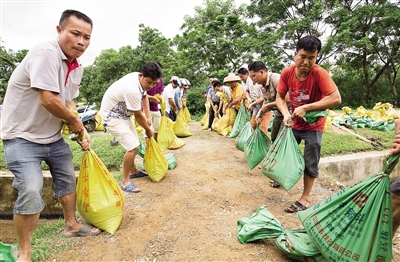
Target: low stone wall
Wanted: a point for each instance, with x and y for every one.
(8, 195)
(350, 169)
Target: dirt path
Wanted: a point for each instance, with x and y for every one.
(192, 214)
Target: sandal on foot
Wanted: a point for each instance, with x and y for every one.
(274, 184)
(139, 174)
(295, 207)
(130, 188)
(83, 232)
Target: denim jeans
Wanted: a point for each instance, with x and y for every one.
(24, 159)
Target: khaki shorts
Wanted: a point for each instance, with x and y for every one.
(124, 132)
(155, 120)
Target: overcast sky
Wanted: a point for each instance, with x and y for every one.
(115, 23)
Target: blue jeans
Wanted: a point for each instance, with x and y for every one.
(24, 159)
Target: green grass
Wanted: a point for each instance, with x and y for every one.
(48, 240)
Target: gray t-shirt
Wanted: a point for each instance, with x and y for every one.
(23, 116)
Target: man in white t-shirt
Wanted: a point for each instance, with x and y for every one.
(171, 109)
(252, 93)
(122, 100)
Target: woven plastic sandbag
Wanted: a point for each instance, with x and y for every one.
(226, 122)
(205, 126)
(245, 133)
(8, 252)
(187, 115)
(312, 117)
(215, 124)
(99, 198)
(154, 161)
(256, 148)
(166, 137)
(297, 245)
(284, 162)
(260, 225)
(172, 161)
(206, 115)
(142, 149)
(242, 117)
(181, 127)
(355, 224)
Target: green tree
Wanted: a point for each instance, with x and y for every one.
(215, 38)
(8, 61)
(369, 36)
(281, 23)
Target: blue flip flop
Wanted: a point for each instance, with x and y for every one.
(130, 188)
(139, 174)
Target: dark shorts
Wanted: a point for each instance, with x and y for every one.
(312, 150)
(395, 187)
(276, 126)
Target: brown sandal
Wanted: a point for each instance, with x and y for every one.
(295, 207)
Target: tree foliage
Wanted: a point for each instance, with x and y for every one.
(361, 47)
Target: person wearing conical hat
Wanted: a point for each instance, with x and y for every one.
(236, 91)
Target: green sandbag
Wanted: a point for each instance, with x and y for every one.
(242, 117)
(296, 244)
(142, 149)
(355, 224)
(312, 117)
(172, 161)
(256, 147)
(245, 133)
(8, 252)
(260, 225)
(284, 162)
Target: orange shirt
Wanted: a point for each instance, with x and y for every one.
(237, 92)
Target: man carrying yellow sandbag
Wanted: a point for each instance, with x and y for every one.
(123, 99)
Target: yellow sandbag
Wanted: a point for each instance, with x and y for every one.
(154, 161)
(162, 103)
(205, 126)
(65, 127)
(99, 198)
(223, 96)
(226, 131)
(204, 119)
(215, 124)
(187, 114)
(206, 115)
(181, 128)
(166, 137)
(99, 123)
(346, 110)
(227, 120)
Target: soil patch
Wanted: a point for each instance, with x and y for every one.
(192, 214)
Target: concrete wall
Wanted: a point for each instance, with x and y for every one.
(350, 169)
(8, 195)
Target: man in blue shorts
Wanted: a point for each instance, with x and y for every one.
(39, 96)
